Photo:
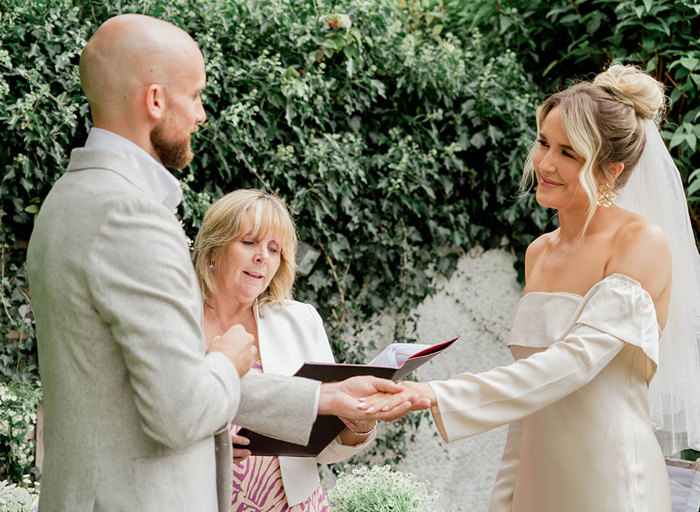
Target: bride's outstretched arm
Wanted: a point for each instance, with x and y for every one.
(469, 404)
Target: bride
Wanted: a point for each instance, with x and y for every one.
(585, 335)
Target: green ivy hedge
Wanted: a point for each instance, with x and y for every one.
(392, 128)
(388, 136)
(557, 40)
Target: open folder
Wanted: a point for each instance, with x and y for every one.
(394, 362)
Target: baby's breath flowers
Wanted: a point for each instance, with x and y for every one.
(18, 499)
(380, 489)
(18, 415)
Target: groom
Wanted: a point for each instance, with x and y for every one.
(131, 401)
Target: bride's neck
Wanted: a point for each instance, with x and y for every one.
(572, 223)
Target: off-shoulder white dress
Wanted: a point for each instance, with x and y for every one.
(576, 400)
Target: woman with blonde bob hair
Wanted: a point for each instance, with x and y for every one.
(586, 334)
(225, 221)
(244, 256)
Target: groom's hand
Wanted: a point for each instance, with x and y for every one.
(239, 346)
(346, 399)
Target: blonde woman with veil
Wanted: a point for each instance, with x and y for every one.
(586, 336)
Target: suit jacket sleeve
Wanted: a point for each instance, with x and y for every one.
(143, 285)
(278, 406)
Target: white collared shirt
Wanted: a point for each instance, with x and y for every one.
(164, 186)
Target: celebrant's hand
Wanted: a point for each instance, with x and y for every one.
(419, 394)
(357, 431)
(360, 426)
(239, 454)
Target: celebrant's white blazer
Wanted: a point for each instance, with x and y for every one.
(289, 335)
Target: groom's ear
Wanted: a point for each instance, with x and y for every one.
(155, 101)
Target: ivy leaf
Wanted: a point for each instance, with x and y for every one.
(690, 63)
(506, 22)
(595, 20)
(694, 180)
(677, 138)
(289, 113)
(569, 18)
(379, 86)
(478, 140)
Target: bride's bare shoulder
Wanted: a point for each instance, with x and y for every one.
(535, 250)
(641, 251)
(636, 233)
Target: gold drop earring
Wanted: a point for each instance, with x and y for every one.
(605, 195)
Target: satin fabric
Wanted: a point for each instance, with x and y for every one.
(576, 398)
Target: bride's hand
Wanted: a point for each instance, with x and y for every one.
(420, 394)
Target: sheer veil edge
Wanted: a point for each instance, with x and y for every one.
(655, 191)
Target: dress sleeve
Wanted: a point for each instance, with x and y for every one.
(336, 451)
(614, 312)
(502, 494)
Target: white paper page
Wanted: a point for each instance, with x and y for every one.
(395, 354)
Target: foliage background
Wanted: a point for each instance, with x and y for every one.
(562, 39)
(394, 129)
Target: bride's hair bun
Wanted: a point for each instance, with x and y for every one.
(632, 86)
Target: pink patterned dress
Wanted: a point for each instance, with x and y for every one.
(257, 486)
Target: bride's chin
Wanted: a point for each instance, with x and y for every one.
(544, 201)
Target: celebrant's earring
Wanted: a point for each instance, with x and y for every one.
(605, 196)
(211, 266)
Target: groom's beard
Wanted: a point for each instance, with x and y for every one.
(173, 152)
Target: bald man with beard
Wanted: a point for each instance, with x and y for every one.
(133, 399)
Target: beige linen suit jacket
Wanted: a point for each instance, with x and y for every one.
(131, 401)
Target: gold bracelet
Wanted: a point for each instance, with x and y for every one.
(362, 434)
